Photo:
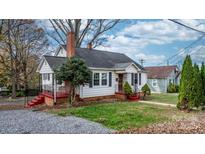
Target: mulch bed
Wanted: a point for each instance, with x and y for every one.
(193, 125)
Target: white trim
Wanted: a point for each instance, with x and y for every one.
(154, 80)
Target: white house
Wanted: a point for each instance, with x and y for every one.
(110, 70)
(159, 77)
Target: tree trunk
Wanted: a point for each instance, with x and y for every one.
(13, 79)
(25, 83)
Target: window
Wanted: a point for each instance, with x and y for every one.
(154, 82)
(96, 79)
(46, 76)
(104, 79)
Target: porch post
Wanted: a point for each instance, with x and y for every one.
(54, 88)
(40, 82)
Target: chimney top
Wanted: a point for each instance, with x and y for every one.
(89, 46)
(70, 46)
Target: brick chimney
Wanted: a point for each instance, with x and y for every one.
(70, 46)
(89, 46)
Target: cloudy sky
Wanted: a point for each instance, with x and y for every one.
(155, 41)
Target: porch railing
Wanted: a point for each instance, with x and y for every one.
(49, 89)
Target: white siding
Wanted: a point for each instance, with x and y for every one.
(45, 68)
(160, 87)
(143, 80)
(131, 69)
(62, 53)
(86, 91)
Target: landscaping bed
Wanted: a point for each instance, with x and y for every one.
(124, 115)
(195, 124)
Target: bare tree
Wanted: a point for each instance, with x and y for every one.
(22, 42)
(87, 31)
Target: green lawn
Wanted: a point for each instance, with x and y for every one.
(170, 98)
(121, 116)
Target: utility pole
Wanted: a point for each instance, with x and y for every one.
(142, 61)
(167, 62)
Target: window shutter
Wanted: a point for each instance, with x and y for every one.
(132, 79)
(136, 78)
(139, 78)
(91, 80)
(110, 79)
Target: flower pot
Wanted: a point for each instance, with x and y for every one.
(133, 98)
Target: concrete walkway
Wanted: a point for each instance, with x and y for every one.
(27, 121)
(158, 103)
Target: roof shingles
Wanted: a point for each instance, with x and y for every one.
(94, 58)
(159, 72)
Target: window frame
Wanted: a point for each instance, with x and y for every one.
(95, 79)
(104, 79)
(154, 81)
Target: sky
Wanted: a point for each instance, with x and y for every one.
(156, 41)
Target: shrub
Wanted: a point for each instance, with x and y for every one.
(173, 88)
(20, 94)
(146, 90)
(186, 85)
(127, 88)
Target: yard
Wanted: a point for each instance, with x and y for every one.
(169, 98)
(125, 115)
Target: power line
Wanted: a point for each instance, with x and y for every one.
(184, 49)
(179, 23)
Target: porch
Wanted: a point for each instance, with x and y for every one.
(131, 78)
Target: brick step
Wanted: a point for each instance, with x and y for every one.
(36, 101)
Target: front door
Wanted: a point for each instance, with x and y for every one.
(120, 82)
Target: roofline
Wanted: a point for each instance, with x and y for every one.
(160, 66)
(40, 65)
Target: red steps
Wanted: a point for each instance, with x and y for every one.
(40, 99)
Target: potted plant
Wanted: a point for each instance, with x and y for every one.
(129, 93)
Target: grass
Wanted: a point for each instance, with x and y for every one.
(169, 98)
(121, 116)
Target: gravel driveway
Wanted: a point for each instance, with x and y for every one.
(27, 121)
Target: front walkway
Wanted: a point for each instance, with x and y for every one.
(27, 121)
(158, 103)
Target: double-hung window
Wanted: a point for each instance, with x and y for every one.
(154, 82)
(96, 79)
(104, 79)
(46, 76)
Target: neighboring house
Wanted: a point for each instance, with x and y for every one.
(110, 70)
(159, 77)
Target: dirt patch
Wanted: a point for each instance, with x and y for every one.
(11, 107)
(192, 125)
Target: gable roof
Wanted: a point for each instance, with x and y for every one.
(54, 61)
(95, 58)
(160, 72)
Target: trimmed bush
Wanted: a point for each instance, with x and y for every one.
(146, 91)
(127, 89)
(173, 88)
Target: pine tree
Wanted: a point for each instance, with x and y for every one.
(196, 92)
(203, 82)
(203, 77)
(186, 82)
